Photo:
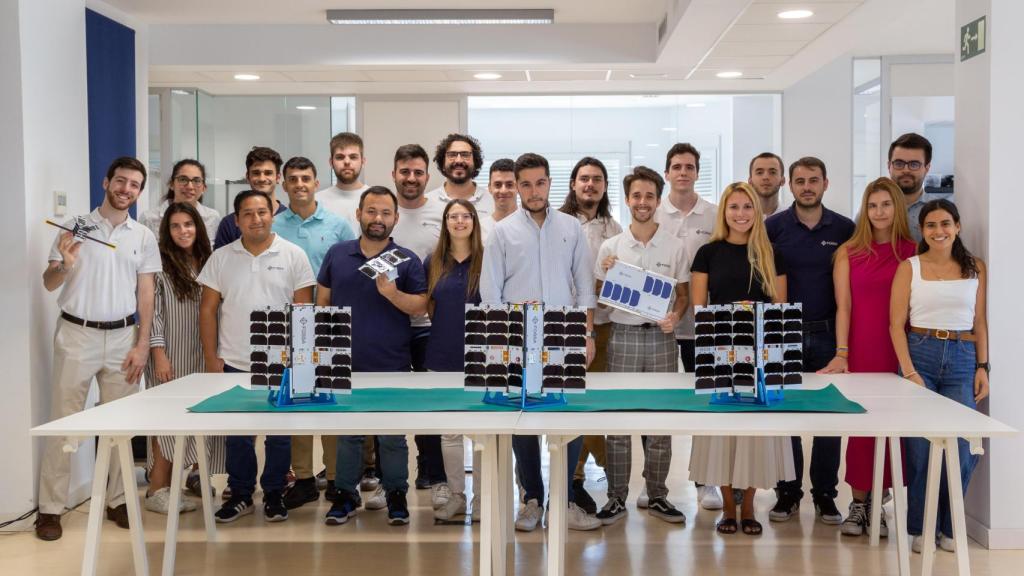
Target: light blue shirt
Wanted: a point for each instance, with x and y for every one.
(316, 234)
(524, 262)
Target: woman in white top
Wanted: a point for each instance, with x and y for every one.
(942, 290)
(187, 184)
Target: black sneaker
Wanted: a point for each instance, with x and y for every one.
(331, 494)
(273, 507)
(304, 491)
(321, 480)
(582, 498)
(398, 510)
(422, 482)
(233, 509)
(662, 508)
(825, 507)
(613, 510)
(345, 507)
(785, 507)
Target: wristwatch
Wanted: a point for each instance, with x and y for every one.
(984, 365)
(592, 334)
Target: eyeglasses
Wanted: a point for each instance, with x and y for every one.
(901, 164)
(453, 154)
(460, 217)
(185, 180)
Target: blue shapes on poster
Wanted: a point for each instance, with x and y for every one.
(635, 299)
(648, 284)
(666, 290)
(616, 292)
(606, 289)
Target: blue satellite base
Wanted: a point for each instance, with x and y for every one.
(282, 396)
(526, 402)
(763, 397)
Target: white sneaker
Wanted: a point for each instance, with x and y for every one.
(528, 516)
(918, 544)
(475, 512)
(578, 519)
(946, 543)
(643, 500)
(439, 495)
(378, 500)
(160, 501)
(454, 506)
(709, 498)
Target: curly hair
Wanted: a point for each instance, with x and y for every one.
(442, 149)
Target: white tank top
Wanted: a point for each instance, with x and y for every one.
(941, 304)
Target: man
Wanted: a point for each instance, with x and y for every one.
(910, 158)
(501, 183)
(381, 311)
(347, 161)
(259, 269)
(263, 173)
(539, 254)
(588, 201)
(102, 292)
(459, 158)
(693, 219)
(418, 228)
(314, 229)
(767, 176)
(640, 345)
(807, 235)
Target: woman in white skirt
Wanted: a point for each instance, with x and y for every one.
(738, 264)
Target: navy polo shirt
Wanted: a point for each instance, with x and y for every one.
(808, 255)
(228, 231)
(380, 332)
(447, 323)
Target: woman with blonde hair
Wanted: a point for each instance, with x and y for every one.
(738, 264)
(864, 268)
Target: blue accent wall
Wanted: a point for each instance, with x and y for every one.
(110, 61)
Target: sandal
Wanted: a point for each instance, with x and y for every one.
(726, 526)
(751, 527)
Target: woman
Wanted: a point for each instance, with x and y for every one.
(863, 272)
(942, 290)
(453, 280)
(187, 184)
(175, 350)
(738, 263)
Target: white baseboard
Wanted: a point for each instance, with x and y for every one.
(998, 539)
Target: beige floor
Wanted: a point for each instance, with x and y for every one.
(367, 545)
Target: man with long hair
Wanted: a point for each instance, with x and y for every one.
(459, 158)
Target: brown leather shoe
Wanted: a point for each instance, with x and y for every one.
(119, 515)
(48, 527)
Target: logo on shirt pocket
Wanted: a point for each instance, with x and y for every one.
(272, 267)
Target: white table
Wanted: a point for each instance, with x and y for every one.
(896, 408)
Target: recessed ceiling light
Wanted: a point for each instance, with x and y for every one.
(648, 75)
(696, 105)
(247, 77)
(730, 74)
(795, 14)
(305, 107)
(487, 76)
(441, 16)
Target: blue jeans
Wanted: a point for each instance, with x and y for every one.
(527, 451)
(947, 367)
(240, 461)
(392, 462)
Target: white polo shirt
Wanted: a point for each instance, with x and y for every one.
(663, 254)
(481, 200)
(248, 282)
(418, 229)
(695, 229)
(597, 230)
(103, 284)
(211, 219)
(343, 203)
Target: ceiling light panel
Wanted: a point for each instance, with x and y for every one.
(446, 17)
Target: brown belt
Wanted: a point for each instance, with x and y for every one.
(966, 335)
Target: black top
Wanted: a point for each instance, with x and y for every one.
(729, 273)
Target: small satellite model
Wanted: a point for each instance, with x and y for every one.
(637, 291)
(748, 352)
(81, 231)
(525, 354)
(301, 353)
(385, 263)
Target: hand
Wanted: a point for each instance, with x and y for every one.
(591, 350)
(69, 246)
(135, 362)
(387, 288)
(980, 384)
(162, 370)
(838, 365)
(214, 365)
(608, 262)
(916, 379)
(668, 323)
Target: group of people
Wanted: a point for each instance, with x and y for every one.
(894, 291)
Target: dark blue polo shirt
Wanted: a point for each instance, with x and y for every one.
(380, 331)
(447, 323)
(808, 256)
(228, 232)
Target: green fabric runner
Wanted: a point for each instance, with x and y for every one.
(238, 399)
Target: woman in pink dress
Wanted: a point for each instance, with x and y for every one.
(863, 272)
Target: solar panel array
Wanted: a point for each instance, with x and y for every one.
(272, 351)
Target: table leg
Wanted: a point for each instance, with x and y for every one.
(131, 498)
(877, 490)
(506, 478)
(204, 485)
(490, 524)
(900, 506)
(96, 505)
(931, 504)
(956, 506)
(171, 536)
(558, 498)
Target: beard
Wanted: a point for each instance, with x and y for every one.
(588, 203)
(410, 193)
(543, 208)
(374, 232)
(345, 179)
(911, 189)
(458, 180)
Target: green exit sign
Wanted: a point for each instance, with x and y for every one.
(972, 39)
